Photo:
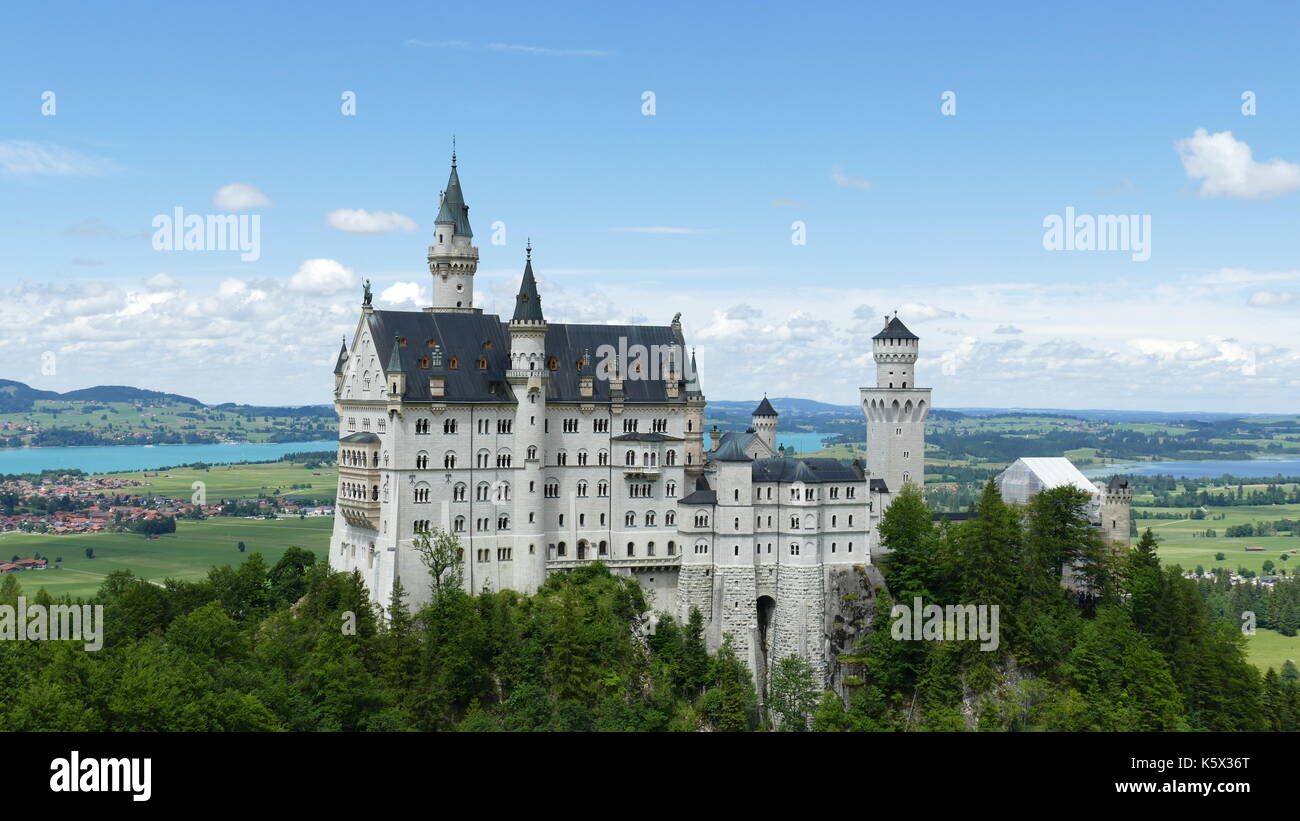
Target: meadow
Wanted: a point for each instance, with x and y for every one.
(240, 481)
(187, 554)
(1179, 543)
(1269, 648)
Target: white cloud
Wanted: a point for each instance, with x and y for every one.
(161, 282)
(1229, 170)
(1273, 299)
(865, 313)
(361, 221)
(1007, 329)
(19, 158)
(324, 276)
(400, 293)
(840, 178)
(238, 196)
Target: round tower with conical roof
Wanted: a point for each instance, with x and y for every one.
(528, 376)
(453, 259)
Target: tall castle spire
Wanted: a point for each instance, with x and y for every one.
(528, 304)
(453, 259)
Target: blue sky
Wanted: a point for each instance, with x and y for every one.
(765, 114)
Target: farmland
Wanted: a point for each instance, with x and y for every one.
(188, 554)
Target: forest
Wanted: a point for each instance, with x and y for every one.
(1125, 645)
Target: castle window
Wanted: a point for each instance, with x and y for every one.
(672, 548)
(424, 362)
(453, 363)
(604, 548)
(482, 363)
(402, 342)
(794, 550)
(650, 549)
(737, 494)
(631, 548)
(553, 364)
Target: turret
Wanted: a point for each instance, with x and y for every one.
(340, 365)
(895, 349)
(396, 375)
(763, 420)
(528, 376)
(1116, 511)
(452, 258)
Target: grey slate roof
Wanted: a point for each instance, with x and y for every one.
(765, 409)
(729, 451)
(895, 329)
(467, 337)
(342, 361)
(646, 437)
(454, 209)
(1117, 483)
(805, 470)
(879, 486)
(702, 495)
(363, 438)
(528, 304)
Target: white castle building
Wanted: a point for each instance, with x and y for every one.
(544, 447)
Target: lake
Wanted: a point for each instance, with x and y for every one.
(802, 442)
(1208, 468)
(114, 458)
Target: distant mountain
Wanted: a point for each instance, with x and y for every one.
(122, 393)
(16, 397)
(1116, 415)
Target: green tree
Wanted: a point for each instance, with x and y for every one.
(792, 693)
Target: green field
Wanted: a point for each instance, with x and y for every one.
(1178, 545)
(188, 554)
(240, 481)
(1269, 648)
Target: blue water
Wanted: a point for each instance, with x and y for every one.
(1209, 468)
(112, 458)
(802, 442)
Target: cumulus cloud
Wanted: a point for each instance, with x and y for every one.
(1007, 329)
(161, 282)
(1228, 169)
(20, 158)
(743, 311)
(239, 196)
(325, 276)
(361, 221)
(865, 313)
(922, 312)
(840, 178)
(403, 293)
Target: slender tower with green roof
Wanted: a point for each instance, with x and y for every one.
(453, 258)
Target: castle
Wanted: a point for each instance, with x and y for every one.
(544, 447)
